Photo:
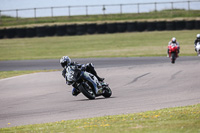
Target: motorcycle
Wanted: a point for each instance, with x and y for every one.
(173, 52)
(87, 83)
(198, 49)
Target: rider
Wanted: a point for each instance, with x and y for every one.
(196, 41)
(173, 40)
(65, 61)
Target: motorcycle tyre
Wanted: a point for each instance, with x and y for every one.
(173, 56)
(83, 89)
(107, 92)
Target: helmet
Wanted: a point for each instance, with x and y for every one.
(64, 61)
(198, 36)
(173, 40)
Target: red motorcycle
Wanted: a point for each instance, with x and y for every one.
(173, 52)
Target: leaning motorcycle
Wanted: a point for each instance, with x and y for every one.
(87, 83)
(173, 52)
(198, 49)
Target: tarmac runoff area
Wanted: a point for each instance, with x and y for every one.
(44, 97)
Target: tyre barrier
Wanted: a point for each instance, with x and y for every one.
(71, 29)
(81, 29)
(2, 33)
(101, 28)
(131, 26)
(111, 27)
(170, 25)
(31, 32)
(141, 26)
(21, 32)
(10, 33)
(161, 25)
(121, 27)
(61, 30)
(91, 28)
(151, 26)
(51, 30)
(189, 25)
(197, 24)
(41, 31)
(180, 25)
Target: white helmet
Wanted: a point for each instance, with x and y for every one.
(173, 40)
(198, 36)
(64, 61)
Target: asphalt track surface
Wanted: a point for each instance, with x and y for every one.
(138, 84)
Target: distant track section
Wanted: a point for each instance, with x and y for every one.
(98, 62)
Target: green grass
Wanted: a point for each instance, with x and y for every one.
(165, 14)
(7, 74)
(177, 120)
(181, 119)
(132, 44)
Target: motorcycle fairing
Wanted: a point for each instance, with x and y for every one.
(198, 48)
(173, 48)
(92, 79)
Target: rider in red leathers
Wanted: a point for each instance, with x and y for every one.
(173, 40)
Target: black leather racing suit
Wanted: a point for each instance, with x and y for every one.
(195, 43)
(87, 67)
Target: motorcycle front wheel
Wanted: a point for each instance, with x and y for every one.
(173, 58)
(86, 89)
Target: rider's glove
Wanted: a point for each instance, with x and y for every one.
(68, 83)
(63, 73)
(83, 68)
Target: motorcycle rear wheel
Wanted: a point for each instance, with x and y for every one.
(107, 92)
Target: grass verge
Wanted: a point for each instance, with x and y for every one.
(98, 45)
(7, 74)
(7, 21)
(178, 119)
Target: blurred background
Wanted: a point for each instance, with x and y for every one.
(52, 8)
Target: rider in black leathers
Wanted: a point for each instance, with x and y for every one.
(66, 61)
(196, 41)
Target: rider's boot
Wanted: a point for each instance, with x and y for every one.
(167, 52)
(75, 92)
(100, 79)
(95, 74)
(177, 53)
(91, 69)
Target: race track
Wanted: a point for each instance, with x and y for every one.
(138, 84)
